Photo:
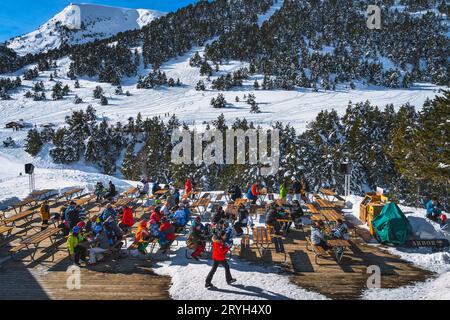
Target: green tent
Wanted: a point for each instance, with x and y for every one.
(391, 225)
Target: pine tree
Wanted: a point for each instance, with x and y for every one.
(219, 102)
(200, 86)
(103, 100)
(98, 92)
(57, 91)
(33, 142)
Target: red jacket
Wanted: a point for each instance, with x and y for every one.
(188, 186)
(255, 190)
(220, 250)
(127, 217)
(169, 236)
(156, 216)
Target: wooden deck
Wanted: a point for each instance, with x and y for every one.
(346, 280)
(130, 279)
(126, 278)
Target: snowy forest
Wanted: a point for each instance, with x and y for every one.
(302, 45)
(400, 150)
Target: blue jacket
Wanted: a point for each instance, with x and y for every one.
(181, 217)
(250, 194)
(107, 213)
(68, 210)
(432, 209)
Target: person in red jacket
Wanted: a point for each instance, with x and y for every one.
(219, 253)
(188, 186)
(167, 235)
(127, 220)
(156, 214)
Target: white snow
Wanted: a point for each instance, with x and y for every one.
(253, 281)
(82, 23)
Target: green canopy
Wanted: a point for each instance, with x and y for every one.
(391, 225)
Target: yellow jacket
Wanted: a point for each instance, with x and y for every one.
(45, 212)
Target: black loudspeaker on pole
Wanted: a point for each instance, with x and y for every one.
(29, 168)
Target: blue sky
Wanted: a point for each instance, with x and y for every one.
(18, 17)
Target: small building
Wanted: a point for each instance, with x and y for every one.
(17, 125)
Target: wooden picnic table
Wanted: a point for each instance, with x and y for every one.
(5, 232)
(161, 192)
(331, 215)
(84, 200)
(26, 215)
(34, 241)
(328, 192)
(263, 239)
(131, 191)
(71, 192)
(37, 194)
(19, 205)
(325, 203)
(123, 202)
(312, 208)
(201, 203)
(240, 201)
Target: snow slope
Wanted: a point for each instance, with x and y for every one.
(81, 23)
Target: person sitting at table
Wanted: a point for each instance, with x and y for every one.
(297, 214)
(253, 192)
(218, 215)
(296, 188)
(224, 226)
(236, 193)
(156, 214)
(112, 192)
(99, 244)
(181, 217)
(145, 188)
(75, 245)
(197, 238)
(433, 209)
(272, 217)
(242, 221)
(126, 219)
(45, 214)
(100, 191)
(176, 196)
(340, 231)
(142, 237)
(318, 235)
(155, 188)
(167, 234)
(107, 212)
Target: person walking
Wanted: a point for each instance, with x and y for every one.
(220, 250)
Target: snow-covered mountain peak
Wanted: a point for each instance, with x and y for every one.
(82, 23)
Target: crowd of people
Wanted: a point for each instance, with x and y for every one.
(90, 240)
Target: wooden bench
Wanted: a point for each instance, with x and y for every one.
(71, 192)
(319, 252)
(338, 247)
(5, 232)
(263, 239)
(25, 215)
(34, 241)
